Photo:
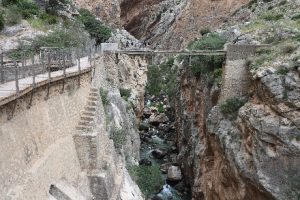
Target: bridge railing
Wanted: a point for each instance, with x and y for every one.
(18, 73)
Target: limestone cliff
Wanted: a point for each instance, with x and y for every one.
(256, 153)
(168, 24)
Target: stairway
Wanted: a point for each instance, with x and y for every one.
(85, 138)
(64, 191)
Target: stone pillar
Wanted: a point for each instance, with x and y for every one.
(235, 78)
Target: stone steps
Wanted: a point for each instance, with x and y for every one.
(64, 191)
(91, 103)
(86, 147)
(85, 139)
(84, 128)
(90, 108)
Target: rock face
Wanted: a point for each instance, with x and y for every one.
(168, 24)
(256, 154)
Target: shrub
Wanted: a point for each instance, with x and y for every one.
(104, 97)
(206, 64)
(28, 9)
(155, 80)
(205, 31)
(2, 21)
(272, 17)
(160, 108)
(282, 70)
(13, 15)
(148, 178)
(118, 136)
(125, 93)
(263, 50)
(6, 3)
(210, 42)
(296, 16)
(231, 106)
(281, 3)
(48, 18)
(98, 31)
(288, 48)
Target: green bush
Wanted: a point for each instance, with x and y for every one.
(281, 3)
(210, 42)
(48, 18)
(98, 31)
(272, 17)
(118, 136)
(296, 16)
(28, 9)
(13, 15)
(206, 64)
(288, 48)
(160, 108)
(25, 8)
(148, 178)
(125, 93)
(104, 97)
(6, 3)
(155, 80)
(2, 21)
(231, 106)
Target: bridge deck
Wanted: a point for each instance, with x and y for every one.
(171, 52)
(8, 89)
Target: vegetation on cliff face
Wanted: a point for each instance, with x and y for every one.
(148, 178)
(96, 29)
(58, 22)
(162, 78)
(207, 64)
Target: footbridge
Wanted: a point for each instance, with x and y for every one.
(21, 76)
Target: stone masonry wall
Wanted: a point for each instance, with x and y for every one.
(36, 144)
(235, 74)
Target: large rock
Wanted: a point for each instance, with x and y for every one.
(157, 119)
(174, 173)
(158, 153)
(165, 167)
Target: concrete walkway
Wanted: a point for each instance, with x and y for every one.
(8, 91)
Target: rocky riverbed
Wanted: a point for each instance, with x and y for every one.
(157, 133)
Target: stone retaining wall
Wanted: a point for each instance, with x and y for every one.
(235, 78)
(36, 144)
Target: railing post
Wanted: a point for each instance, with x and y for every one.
(33, 71)
(16, 77)
(64, 70)
(190, 60)
(79, 67)
(23, 65)
(2, 68)
(43, 61)
(78, 60)
(49, 75)
(49, 66)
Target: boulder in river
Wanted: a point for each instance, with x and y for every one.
(144, 126)
(174, 173)
(145, 162)
(157, 119)
(165, 167)
(147, 112)
(158, 153)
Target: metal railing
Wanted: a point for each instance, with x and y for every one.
(49, 62)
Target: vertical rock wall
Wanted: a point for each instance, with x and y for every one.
(252, 156)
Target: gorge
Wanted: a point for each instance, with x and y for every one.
(219, 119)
